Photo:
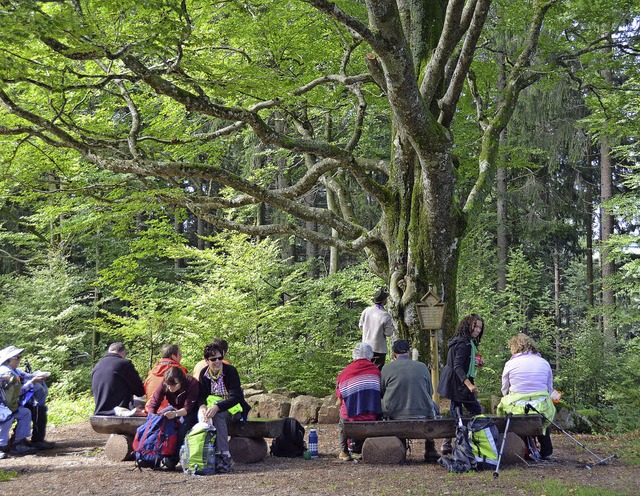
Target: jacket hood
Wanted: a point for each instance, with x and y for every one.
(455, 340)
(165, 364)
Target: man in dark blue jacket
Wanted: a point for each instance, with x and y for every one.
(114, 381)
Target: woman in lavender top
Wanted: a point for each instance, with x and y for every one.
(527, 379)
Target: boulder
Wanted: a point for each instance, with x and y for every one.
(305, 408)
(283, 392)
(269, 406)
(329, 412)
(252, 392)
(383, 450)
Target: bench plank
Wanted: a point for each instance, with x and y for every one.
(524, 425)
(256, 428)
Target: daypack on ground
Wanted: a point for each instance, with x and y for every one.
(156, 439)
(290, 443)
(485, 441)
(198, 453)
(462, 458)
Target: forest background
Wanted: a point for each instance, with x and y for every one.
(177, 171)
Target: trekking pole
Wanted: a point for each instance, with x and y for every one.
(528, 407)
(504, 441)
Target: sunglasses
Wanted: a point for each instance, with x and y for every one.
(215, 359)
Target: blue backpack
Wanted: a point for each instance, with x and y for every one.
(156, 439)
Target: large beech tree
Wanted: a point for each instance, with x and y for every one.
(165, 93)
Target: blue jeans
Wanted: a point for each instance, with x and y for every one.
(23, 427)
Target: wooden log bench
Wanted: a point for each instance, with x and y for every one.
(382, 438)
(247, 443)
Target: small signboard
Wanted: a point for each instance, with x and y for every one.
(431, 311)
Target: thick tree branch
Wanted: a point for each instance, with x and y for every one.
(449, 102)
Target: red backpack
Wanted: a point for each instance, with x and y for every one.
(156, 439)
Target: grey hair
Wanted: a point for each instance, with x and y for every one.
(116, 347)
(362, 350)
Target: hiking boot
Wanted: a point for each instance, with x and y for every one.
(446, 448)
(169, 462)
(42, 445)
(21, 449)
(344, 456)
(430, 453)
(223, 464)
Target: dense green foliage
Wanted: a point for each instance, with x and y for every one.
(284, 329)
(132, 145)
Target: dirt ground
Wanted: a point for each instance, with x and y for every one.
(78, 466)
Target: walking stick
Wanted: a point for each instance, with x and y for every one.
(504, 441)
(601, 461)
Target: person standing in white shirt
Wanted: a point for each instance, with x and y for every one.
(377, 326)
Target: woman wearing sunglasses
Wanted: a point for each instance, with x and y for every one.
(221, 399)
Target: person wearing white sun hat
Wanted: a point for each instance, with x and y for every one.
(11, 389)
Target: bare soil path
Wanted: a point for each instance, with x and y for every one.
(77, 466)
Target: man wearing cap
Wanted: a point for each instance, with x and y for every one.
(377, 325)
(114, 381)
(407, 391)
(11, 389)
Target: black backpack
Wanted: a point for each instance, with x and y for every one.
(290, 443)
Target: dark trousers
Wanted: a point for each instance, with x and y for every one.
(473, 407)
(378, 359)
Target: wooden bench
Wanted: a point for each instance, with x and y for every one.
(247, 443)
(390, 449)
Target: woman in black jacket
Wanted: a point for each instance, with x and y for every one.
(457, 380)
(458, 376)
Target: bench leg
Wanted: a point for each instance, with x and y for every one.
(383, 450)
(119, 447)
(248, 449)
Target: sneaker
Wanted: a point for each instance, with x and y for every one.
(21, 449)
(344, 456)
(3, 455)
(169, 463)
(42, 445)
(356, 456)
(223, 464)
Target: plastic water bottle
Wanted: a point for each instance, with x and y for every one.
(313, 443)
(184, 457)
(211, 456)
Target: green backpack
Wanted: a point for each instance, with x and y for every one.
(198, 453)
(484, 439)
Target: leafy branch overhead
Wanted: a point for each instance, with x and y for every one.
(331, 121)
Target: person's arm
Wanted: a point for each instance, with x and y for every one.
(192, 393)
(389, 329)
(549, 379)
(134, 380)
(461, 361)
(156, 399)
(234, 389)
(506, 385)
